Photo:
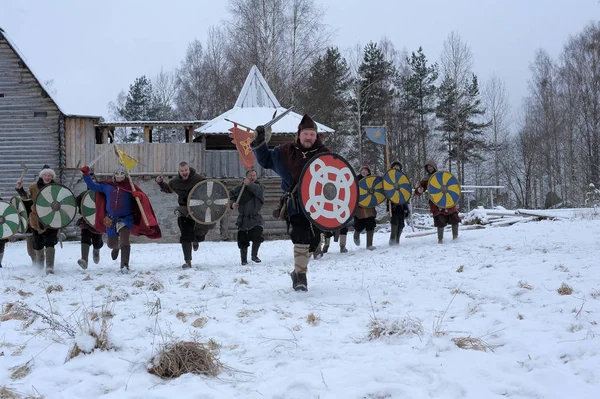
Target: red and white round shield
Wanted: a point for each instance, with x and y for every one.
(328, 191)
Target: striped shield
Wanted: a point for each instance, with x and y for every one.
(55, 206)
(9, 220)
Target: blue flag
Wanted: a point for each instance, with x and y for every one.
(376, 134)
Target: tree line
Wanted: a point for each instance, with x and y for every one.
(545, 154)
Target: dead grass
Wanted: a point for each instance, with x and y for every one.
(473, 343)
(186, 284)
(52, 288)
(243, 281)
(460, 269)
(564, 289)
(313, 319)
(14, 311)
(138, 283)
(97, 325)
(100, 287)
(524, 285)
(87, 278)
(155, 285)
(181, 316)
(595, 294)
(21, 371)
(8, 393)
(24, 294)
(200, 322)
(182, 277)
(520, 316)
(387, 328)
(174, 360)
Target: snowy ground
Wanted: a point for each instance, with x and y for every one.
(496, 285)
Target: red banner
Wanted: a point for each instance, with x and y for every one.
(242, 139)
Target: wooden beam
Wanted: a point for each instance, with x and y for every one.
(105, 135)
(147, 134)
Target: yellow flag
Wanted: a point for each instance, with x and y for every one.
(127, 161)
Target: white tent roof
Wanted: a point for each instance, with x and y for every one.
(255, 106)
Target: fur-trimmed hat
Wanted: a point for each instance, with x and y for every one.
(47, 169)
(307, 123)
(365, 166)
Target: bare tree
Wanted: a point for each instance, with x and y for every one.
(496, 103)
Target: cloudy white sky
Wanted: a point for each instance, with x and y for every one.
(94, 49)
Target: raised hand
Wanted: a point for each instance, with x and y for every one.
(85, 170)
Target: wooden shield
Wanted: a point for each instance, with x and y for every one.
(443, 189)
(370, 191)
(9, 220)
(397, 187)
(328, 192)
(87, 208)
(20, 207)
(208, 201)
(55, 206)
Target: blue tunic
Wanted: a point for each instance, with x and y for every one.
(119, 203)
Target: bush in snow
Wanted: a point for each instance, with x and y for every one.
(94, 333)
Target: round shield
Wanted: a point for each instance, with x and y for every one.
(87, 208)
(55, 206)
(443, 189)
(9, 220)
(208, 201)
(328, 191)
(370, 191)
(20, 207)
(397, 187)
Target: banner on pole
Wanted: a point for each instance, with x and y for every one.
(376, 134)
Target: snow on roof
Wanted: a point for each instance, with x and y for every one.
(14, 47)
(252, 117)
(255, 106)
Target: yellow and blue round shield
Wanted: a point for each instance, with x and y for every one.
(397, 187)
(370, 191)
(444, 189)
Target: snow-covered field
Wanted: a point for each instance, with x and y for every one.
(496, 286)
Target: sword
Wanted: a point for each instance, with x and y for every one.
(266, 125)
(102, 154)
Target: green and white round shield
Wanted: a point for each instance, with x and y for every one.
(55, 206)
(20, 207)
(9, 220)
(88, 207)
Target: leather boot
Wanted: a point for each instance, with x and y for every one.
(398, 234)
(255, 246)
(356, 238)
(96, 255)
(187, 255)
(1, 256)
(244, 255)
(326, 244)
(454, 231)
(393, 230)
(299, 281)
(85, 251)
(30, 250)
(370, 246)
(50, 260)
(343, 248)
(125, 252)
(440, 232)
(40, 257)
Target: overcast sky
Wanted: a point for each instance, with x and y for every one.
(94, 49)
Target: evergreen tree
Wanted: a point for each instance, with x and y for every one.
(324, 97)
(458, 110)
(372, 97)
(420, 97)
(139, 106)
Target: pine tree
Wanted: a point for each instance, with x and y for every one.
(458, 110)
(324, 97)
(420, 92)
(139, 106)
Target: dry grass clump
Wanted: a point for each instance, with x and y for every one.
(524, 285)
(200, 322)
(313, 319)
(138, 283)
(595, 294)
(460, 269)
(24, 294)
(100, 287)
(87, 278)
(181, 316)
(387, 328)
(8, 393)
(473, 343)
(21, 371)
(155, 285)
(564, 289)
(51, 288)
(97, 325)
(176, 359)
(12, 311)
